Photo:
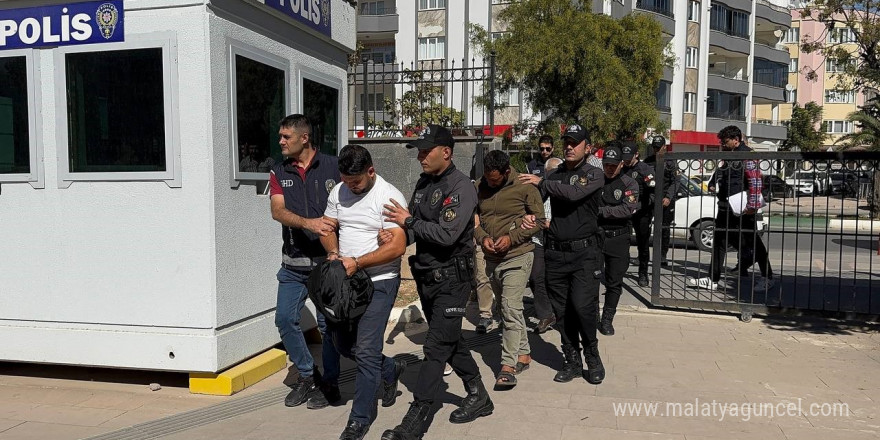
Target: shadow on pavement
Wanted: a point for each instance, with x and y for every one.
(89, 374)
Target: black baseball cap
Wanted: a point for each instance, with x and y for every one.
(577, 133)
(658, 142)
(629, 150)
(612, 155)
(432, 136)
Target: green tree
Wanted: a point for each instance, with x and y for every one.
(419, 106)
(805, 131)
(867, 120)
(579, 66)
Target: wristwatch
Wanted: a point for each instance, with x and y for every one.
(409, 222)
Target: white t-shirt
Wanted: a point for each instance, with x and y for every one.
(360, 218)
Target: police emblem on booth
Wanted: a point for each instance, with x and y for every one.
(572, 180)
(329, 184)
(436, 196)
(618, 194)
(448, 215)
(107, 16)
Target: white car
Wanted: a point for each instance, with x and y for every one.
(808, 182)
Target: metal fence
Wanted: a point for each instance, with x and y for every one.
(816, 226)
(394, 100)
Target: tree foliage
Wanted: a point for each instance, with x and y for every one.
(859, 57)
(867, 120)
(419, 106)
(579, 66)
(805, 132)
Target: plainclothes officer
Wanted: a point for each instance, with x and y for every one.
(299, 187)
(670, 188)
(643, 174)
(572, 254)
(440, 221)
(543, 309)
(618, 201)
(545, 151)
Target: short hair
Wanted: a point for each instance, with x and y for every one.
(545, 139)
(552, 163)
(496, 160)
(354, 160)
(297, 122)
(730, 132)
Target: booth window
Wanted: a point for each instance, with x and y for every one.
(260, 99)
(15, 150)
(116, 111)
(321, 105)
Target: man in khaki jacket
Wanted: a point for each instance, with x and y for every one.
(502, 200)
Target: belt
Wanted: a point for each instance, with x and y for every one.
(611, 233)
(305, 262)
(298, 268)
(571, 245)
(462, 269)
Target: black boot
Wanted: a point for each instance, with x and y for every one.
(595, 370)
(476, 404)
(605, 326)
(643, 279)
(572, 366)
(412, 425)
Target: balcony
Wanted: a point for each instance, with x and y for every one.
(728, 82)
(729, 42)
(661, 11)
(766, 94)
(381, 21)
(776, 54)
(765, 129)
(715, 121)
(779, 15)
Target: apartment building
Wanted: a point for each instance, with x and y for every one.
(836, 105)
(730, 58)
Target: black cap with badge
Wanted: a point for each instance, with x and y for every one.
(629, 150)
(576, 133)
(432, 136)
(658, 142)
(612, 155)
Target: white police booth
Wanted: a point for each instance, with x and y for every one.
(135, 140)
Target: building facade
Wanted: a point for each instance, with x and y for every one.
(730, 57)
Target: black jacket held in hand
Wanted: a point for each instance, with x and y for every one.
(339, 298)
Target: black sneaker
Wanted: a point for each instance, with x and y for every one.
(483, 325)
(328, 394)
(354, 431)
(300, 391)
(643, 280)
(389, 393)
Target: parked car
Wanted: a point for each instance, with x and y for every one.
(844, 183)
(810, 183)
(695, 211)
(702, 180)
(774, 188)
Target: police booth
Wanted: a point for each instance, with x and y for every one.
(135, 142)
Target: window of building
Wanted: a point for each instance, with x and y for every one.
(380, 54)
(841, 35)
(432, 48)
(832, 65)
(791, 96)
(838, 127)
(106, 91)
(694, 11)
(793, 65)
(840, 97)
(260, 102)
(500, 2)
(498, 35)
(770, 73)
(15, 140)
(691, 57)
(320, 102)
(663, 95)
(431, 4)
(659, 6)
(375, 102)
(374, 8)
(690, 102)
(793, 35)
(725, 105)
(730, 21)
(509, 98)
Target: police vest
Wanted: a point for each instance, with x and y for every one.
(612, 194)
(434, 201)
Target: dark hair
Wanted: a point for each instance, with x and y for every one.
(354, 160)
(297, 122)
(730, 132)
(496, 160)
(545, 139)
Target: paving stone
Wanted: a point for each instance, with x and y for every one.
(7, 424)
(54, 431)
(67, 415)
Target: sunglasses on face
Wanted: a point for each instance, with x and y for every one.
(546, 148)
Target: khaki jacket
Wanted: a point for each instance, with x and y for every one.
(501, 210)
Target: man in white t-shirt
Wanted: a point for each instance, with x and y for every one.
(357, 208)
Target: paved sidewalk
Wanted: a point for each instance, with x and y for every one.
(656, 356)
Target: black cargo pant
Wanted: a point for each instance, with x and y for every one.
(543, 308)
(444, 299)
(616, 257)
(573, 287)
(642, 224)
(739, 232)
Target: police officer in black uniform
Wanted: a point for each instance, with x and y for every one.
(643, 174)
(618, 201)
(573, 254)
(670, 188)
(441, 223)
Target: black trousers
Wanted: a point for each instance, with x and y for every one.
(543, 308)
(573, 287)
(616, 257)
(740, 233)
(443, 303)
(642, 224)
